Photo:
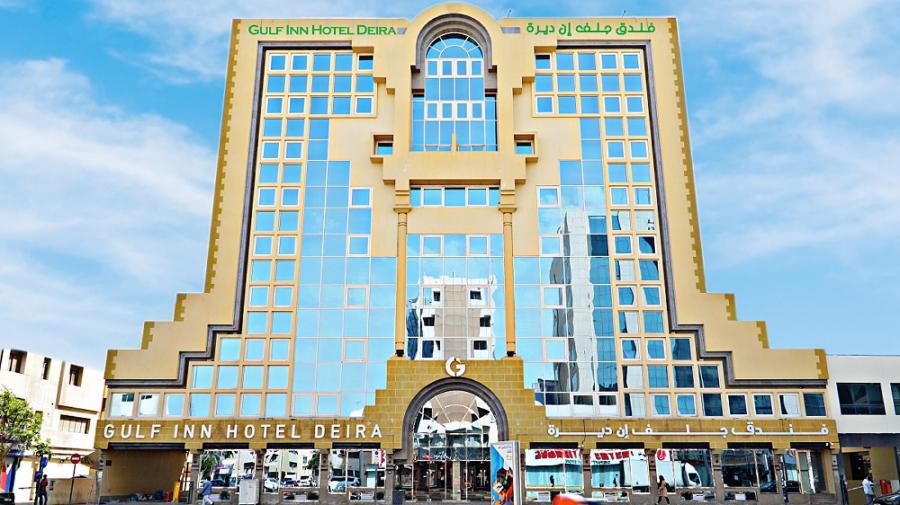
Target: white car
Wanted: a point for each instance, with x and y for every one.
(341, 483)
(270, 485)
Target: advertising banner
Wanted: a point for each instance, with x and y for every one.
(552, 457)
(506, 474)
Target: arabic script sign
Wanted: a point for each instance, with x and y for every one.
(624, 432)
(565, 29)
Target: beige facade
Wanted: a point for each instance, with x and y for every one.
(69, 398)
(612, 342)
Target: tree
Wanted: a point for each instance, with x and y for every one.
(20, 426)
(210, 460)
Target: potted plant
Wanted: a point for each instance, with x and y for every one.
(398, 495)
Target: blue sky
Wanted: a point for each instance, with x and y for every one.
(109, 123)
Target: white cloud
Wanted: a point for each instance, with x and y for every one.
(795, 135)
(101, 212)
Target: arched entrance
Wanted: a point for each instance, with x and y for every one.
(448, 429)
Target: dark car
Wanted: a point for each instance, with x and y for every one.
(888, 499)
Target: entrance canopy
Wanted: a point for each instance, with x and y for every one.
(454, 425)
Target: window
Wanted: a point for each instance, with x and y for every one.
(557, 469)
(45, 369)
(737, 405)
(630, 349)
(690, 468)
(709, 376)
(684, 376)
(202, 377)
(74, 424)
(712, 404)
(174, 405)
(525, 147)
(454, 196)
(860, 399)
(681, 349)
(17, 361)
(632, 376)
(790, 404)
(762, 405)
(121, 405)
(815, 404)
(657, 376)
(687, 405)
(620, 468)
(895, 393)
(749, 468)
(148, 406)
(230, 348)
(454, 110)
(661, 405)
(75, 375)
(199, 406)
(384, 148)
(656, 348)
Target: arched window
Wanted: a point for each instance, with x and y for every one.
(454, 105)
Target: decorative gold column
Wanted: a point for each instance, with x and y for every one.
(400, 314)
(508, 296)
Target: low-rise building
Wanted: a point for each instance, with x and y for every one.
(865, 401)
(68, 397)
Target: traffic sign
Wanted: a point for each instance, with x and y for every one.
(75, 458)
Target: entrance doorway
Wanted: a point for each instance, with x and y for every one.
(451, 448)
(803, 471)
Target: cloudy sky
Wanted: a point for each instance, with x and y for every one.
(109, 121)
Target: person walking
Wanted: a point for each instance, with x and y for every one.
(206, 491)
(869, 489)
(41, 498)
(662, 491)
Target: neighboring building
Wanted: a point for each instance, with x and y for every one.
(68, 397)
(433, 234)
(864, 393)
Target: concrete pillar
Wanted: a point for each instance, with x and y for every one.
(400, 314)
(779, 476)
(196, 454)
(586, 471)
(324, 474)
(509, 297)
(715, 456)
(390, 476)
(654, 479)
(456, 481)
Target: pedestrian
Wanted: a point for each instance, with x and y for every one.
(662, 491)
(869, 488)
(42, 491)
(206, 491)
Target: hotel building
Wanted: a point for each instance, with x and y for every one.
(432, 234)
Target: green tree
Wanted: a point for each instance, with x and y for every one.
(210, 460)
(20, 426)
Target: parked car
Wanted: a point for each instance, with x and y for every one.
(270, 484)
(341, 483)
(888, 499)
(288, 482)
(305, 481)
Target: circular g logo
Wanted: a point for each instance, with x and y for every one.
(454, 367)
